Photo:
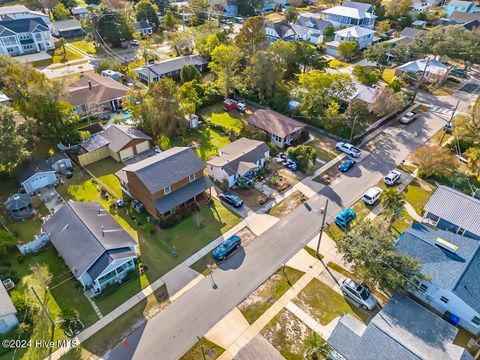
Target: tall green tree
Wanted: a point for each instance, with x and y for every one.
(305, 155)
(308, 57)
(397, 8)
(369, 249)
(225, 65)
(291, 14)
(315, 347)
(169, 21)
(113, 26)
(147, 11)
(68, 320)
(283, 55)
(13, 145)
(473, 157)
(60, 12)
(247, 8)
(251, 37)
(188, 73)
(388, 101)
(348, 49)
(435, 160)
(262, 75)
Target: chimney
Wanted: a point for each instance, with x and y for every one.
(89, 84)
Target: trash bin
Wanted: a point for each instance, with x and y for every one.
(451, 318)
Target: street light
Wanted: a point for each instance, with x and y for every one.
(210, 274)
(323, 211)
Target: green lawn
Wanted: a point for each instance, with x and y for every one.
(201, 265)
(232, 120)
(206, 141)
(402, 224)
(270, 291)
(58, 56)
(324, 304)
(155, 249)
(84, 45)
(65, 292)
(417, 196)
(212, 351)
(337, 64)
(324, 147)
(104, 170)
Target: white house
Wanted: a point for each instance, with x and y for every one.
(311, 27)
(363, 36)
(8, 313)
(280, 30)
(25, 36)
(238, 159)
(351, 14)
(435, 71)
(144, 28)
(79, 12)
(452, 264)
(96, 249)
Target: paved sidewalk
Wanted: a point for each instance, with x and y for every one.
(323, 331)
(411, 211)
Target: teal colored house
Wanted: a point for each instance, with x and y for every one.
(460, 6)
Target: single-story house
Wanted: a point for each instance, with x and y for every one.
(121, 142)
(20, 206)
(281, 130)
(96, 249)
(464, 18)
(403, 330)
(8, 313)
(435, 73)
(35, 175)
(241, 158)
(67, 29)
(144, 27)
(167, 184)
(363, 36)
(95, 94)
(169, 68)
(451, 263)
(460, 6)
(79, 12)
(452, 210)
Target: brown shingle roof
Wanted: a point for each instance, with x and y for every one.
(103, 89)
(274, 123)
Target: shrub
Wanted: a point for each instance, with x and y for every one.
(149, 228)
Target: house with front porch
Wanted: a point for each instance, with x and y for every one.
(363, 36)
(349, 14)
(241, 158)
(95, 94)
(167, 184)
(96, 249)
(281, 130)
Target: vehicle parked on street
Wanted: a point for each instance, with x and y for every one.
(392, 177)
(372, 195)
(222, 251)
(231, 198)
(408, 117)
(358, 292)
(346, 165)
(291, 164)
(348, 149)
(345, 217)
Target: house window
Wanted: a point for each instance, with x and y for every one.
(167, 190)
(476, 320)
(444, 299)
(191, 177)
(423, 287)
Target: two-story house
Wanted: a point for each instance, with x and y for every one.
(241, 158)
(452, 210)
(280, 30)
(451, 263)
(363, 36)
(351, 13)
(168, 183)
(460, 6)
(25, 36)
(312, 25)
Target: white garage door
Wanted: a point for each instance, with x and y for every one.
(142, 147)
(126, 153)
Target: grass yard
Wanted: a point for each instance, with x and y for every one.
(324, 147)
(104, 170)
(324, 304)
(313, 252)
(233, 120)
(337, 64)
(418, 195)
(84, 45)
(286, 206)
(270, 291)
(108, 337)
(212, 351)
(58, 56)
(402, 224)
(64, 292)
(287, 334)
(388, 75)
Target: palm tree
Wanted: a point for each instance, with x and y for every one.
(315, 347)
(393, 202)
(69, 321)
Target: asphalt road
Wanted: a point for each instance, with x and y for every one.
(174, 330)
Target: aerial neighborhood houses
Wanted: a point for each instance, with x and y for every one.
(434, 71)
(67, 29)
(363, 36)
(169, 68)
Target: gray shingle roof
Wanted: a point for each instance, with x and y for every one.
(456, 207)
(18, 201)
(172, 65)
(76, 232)
(411, 32)
(183, 194)
(107, 258)
(142, 25)
(402, 330)
(64, 25)
(32, 167)
(317, 23)
(166, 168)
(25, 25)
(274, 122)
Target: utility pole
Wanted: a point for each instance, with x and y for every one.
(45, 310)
(324, 212)
(449, 121)
(420, 81)
(203, 350)
(353, 127)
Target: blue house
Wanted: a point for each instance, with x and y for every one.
(460, 6)
(351, 14)
(454, 211)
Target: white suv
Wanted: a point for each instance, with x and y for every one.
(392, 177)
(372, 195)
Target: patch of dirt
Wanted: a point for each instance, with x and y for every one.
(246, 235)
(258, 295)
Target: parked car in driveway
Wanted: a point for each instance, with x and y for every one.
(392, 177)
(408, 117)
(346, 165)
(458, 72)
(348, 149)
(345, 217)
(372, 195)
(222, 251)
(231, 198)
(359, 293)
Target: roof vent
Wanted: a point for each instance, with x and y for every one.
(89, 84)
(444, 244)
(103, 232)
